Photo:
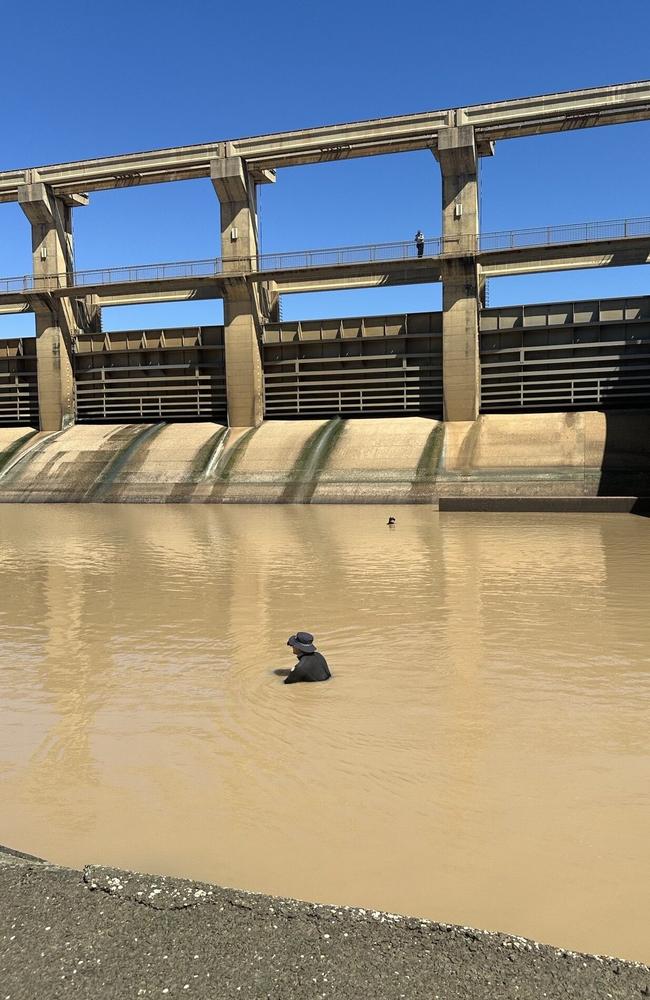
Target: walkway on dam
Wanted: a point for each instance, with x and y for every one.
(588, 244)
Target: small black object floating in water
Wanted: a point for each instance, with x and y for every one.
(391, 521)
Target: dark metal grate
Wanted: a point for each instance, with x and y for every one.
(149, 375)
(381, 366)
(566, 356)
(18, 383)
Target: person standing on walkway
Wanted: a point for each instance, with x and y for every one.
(419, 242)
(311, 665)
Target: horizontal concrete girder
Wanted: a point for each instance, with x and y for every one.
(616, 252)
(144, 297)
(14, 303)
(369, 274)
(147, 290)
(500, 120)
(621, 252)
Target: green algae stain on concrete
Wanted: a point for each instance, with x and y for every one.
(467, 449)
(108, 477)
(226, 462)
(431, 457)
(122, 437)
(209, 455)
(21, 460)
(312, 460)
(428, 467)
(13, 449)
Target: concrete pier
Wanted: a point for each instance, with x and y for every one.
(241, 302)
(458, 160)
(56, 325)
(67, 304)
(118, 934)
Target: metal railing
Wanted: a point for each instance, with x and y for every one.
(114, 276)
(579, 232)
(340, 256)
(435, 247)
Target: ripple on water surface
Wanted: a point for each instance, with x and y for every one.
(481, 755)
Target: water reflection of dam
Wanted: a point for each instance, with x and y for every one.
(135, 669)
(489, 707)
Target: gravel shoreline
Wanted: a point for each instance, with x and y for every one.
(114, 934)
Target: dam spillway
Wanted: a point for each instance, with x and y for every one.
(353, 412)
(382, 460)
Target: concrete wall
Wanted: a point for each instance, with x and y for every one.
(396, 460)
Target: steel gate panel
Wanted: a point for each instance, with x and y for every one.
(147, 375)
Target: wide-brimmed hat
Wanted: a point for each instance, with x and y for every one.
(304, 641)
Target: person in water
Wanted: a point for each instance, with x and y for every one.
(311, 665)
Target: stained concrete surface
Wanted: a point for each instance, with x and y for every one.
(378, 460)
(114, 934)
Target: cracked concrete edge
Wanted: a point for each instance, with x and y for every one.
(9, 856)
(165, 892)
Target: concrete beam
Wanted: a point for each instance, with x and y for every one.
(500, 120)
(343, 282)
(620, 252)
(13, 305)
(325, 278)
(368, 274)
(108, 298)
(147, 289)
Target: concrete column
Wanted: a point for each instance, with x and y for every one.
(458, 160)
(56, 323)
(241, 306)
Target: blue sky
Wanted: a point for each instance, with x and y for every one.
(84, 80)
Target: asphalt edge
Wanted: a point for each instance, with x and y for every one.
(171, 892)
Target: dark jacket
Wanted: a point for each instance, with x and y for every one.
(310, 667)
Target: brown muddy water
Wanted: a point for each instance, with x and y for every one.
(481, 756)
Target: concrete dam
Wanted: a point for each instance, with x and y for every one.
(535, 400)
(409, 460)
(479, 758)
